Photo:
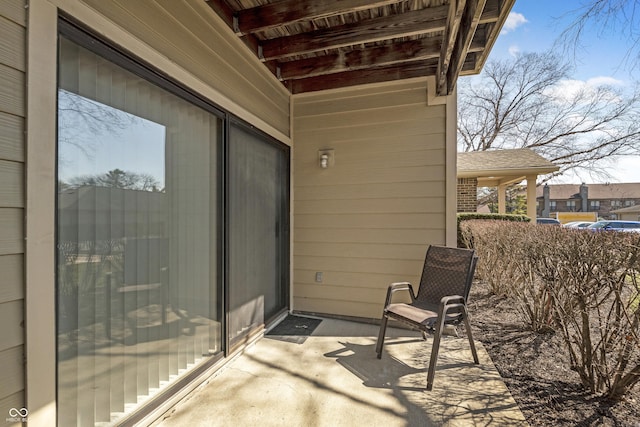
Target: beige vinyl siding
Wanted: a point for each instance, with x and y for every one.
(11, 137)
(202, 45)
(14, 10)
(14, 400)
(366, 221)
(12, 111)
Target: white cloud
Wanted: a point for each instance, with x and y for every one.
(568, 90)
(514, 20)
(514, 50)
(604, 81)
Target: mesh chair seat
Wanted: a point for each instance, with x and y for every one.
(419, 315)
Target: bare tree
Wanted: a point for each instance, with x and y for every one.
(81, 120)
(116, 178)
(530, 102)
(606, 17)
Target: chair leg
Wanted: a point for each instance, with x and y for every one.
(467, 326)
(383, 329)
(435, 348)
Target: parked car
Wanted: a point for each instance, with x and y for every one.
(547, 221)
(616, 225)
(578, 224)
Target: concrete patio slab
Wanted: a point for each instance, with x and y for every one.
(334, 379)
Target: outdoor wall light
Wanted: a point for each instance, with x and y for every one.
(325, 158)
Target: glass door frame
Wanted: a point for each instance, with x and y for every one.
(285, 232)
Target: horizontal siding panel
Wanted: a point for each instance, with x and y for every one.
(11, 231)
(15, 400)
(367, 206)
(15, 10)
(397, 159)
(12, 268)
(349, 94)
(11, 374)
(400, 98)
(12, 44)
(356, 280)
(344, 308)
(11, 319)
(380, 146)
(366, 191)
(11, 91)
(389, 116)
(360, 250)
(370, 221)
(351, 235)
(11, 184)
(343, 293)
(347, 156)
(335, 176)
(366, 131)
(359, 265)
(11, 137)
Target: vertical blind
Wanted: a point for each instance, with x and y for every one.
(138, 214)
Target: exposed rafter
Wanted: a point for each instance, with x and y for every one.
(313, 45)
(371, 75)
(287, 12)
(410, 50)
(463, 20)
(368, 31)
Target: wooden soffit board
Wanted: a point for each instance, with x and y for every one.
(312, 45)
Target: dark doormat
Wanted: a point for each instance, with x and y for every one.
(294, 329)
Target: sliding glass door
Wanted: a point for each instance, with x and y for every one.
(258, 231)
(172, 234)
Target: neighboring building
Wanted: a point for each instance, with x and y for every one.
(499, 169)
(605, 199)
(631, 213)
(291, 159)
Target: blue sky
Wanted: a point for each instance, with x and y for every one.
(534, 26)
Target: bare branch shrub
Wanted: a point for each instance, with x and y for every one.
(596, 303)
(585, 285)
(512, 259)
(493, 242)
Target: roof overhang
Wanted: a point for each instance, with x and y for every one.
(313, 45)
(503, 167)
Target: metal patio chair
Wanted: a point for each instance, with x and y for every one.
(441, 299)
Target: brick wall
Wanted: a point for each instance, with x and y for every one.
(467, 194)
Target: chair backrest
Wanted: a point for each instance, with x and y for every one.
(447, 271)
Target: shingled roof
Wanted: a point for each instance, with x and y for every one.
(496, 164)
(630, 209)
(596, 191)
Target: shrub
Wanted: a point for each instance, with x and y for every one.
(493, 243)
(462, 217)
(582, 284)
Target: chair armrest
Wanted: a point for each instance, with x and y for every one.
(396, 287)
(451, 298)
(450, 302)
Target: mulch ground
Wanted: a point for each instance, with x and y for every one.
(535, 369)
